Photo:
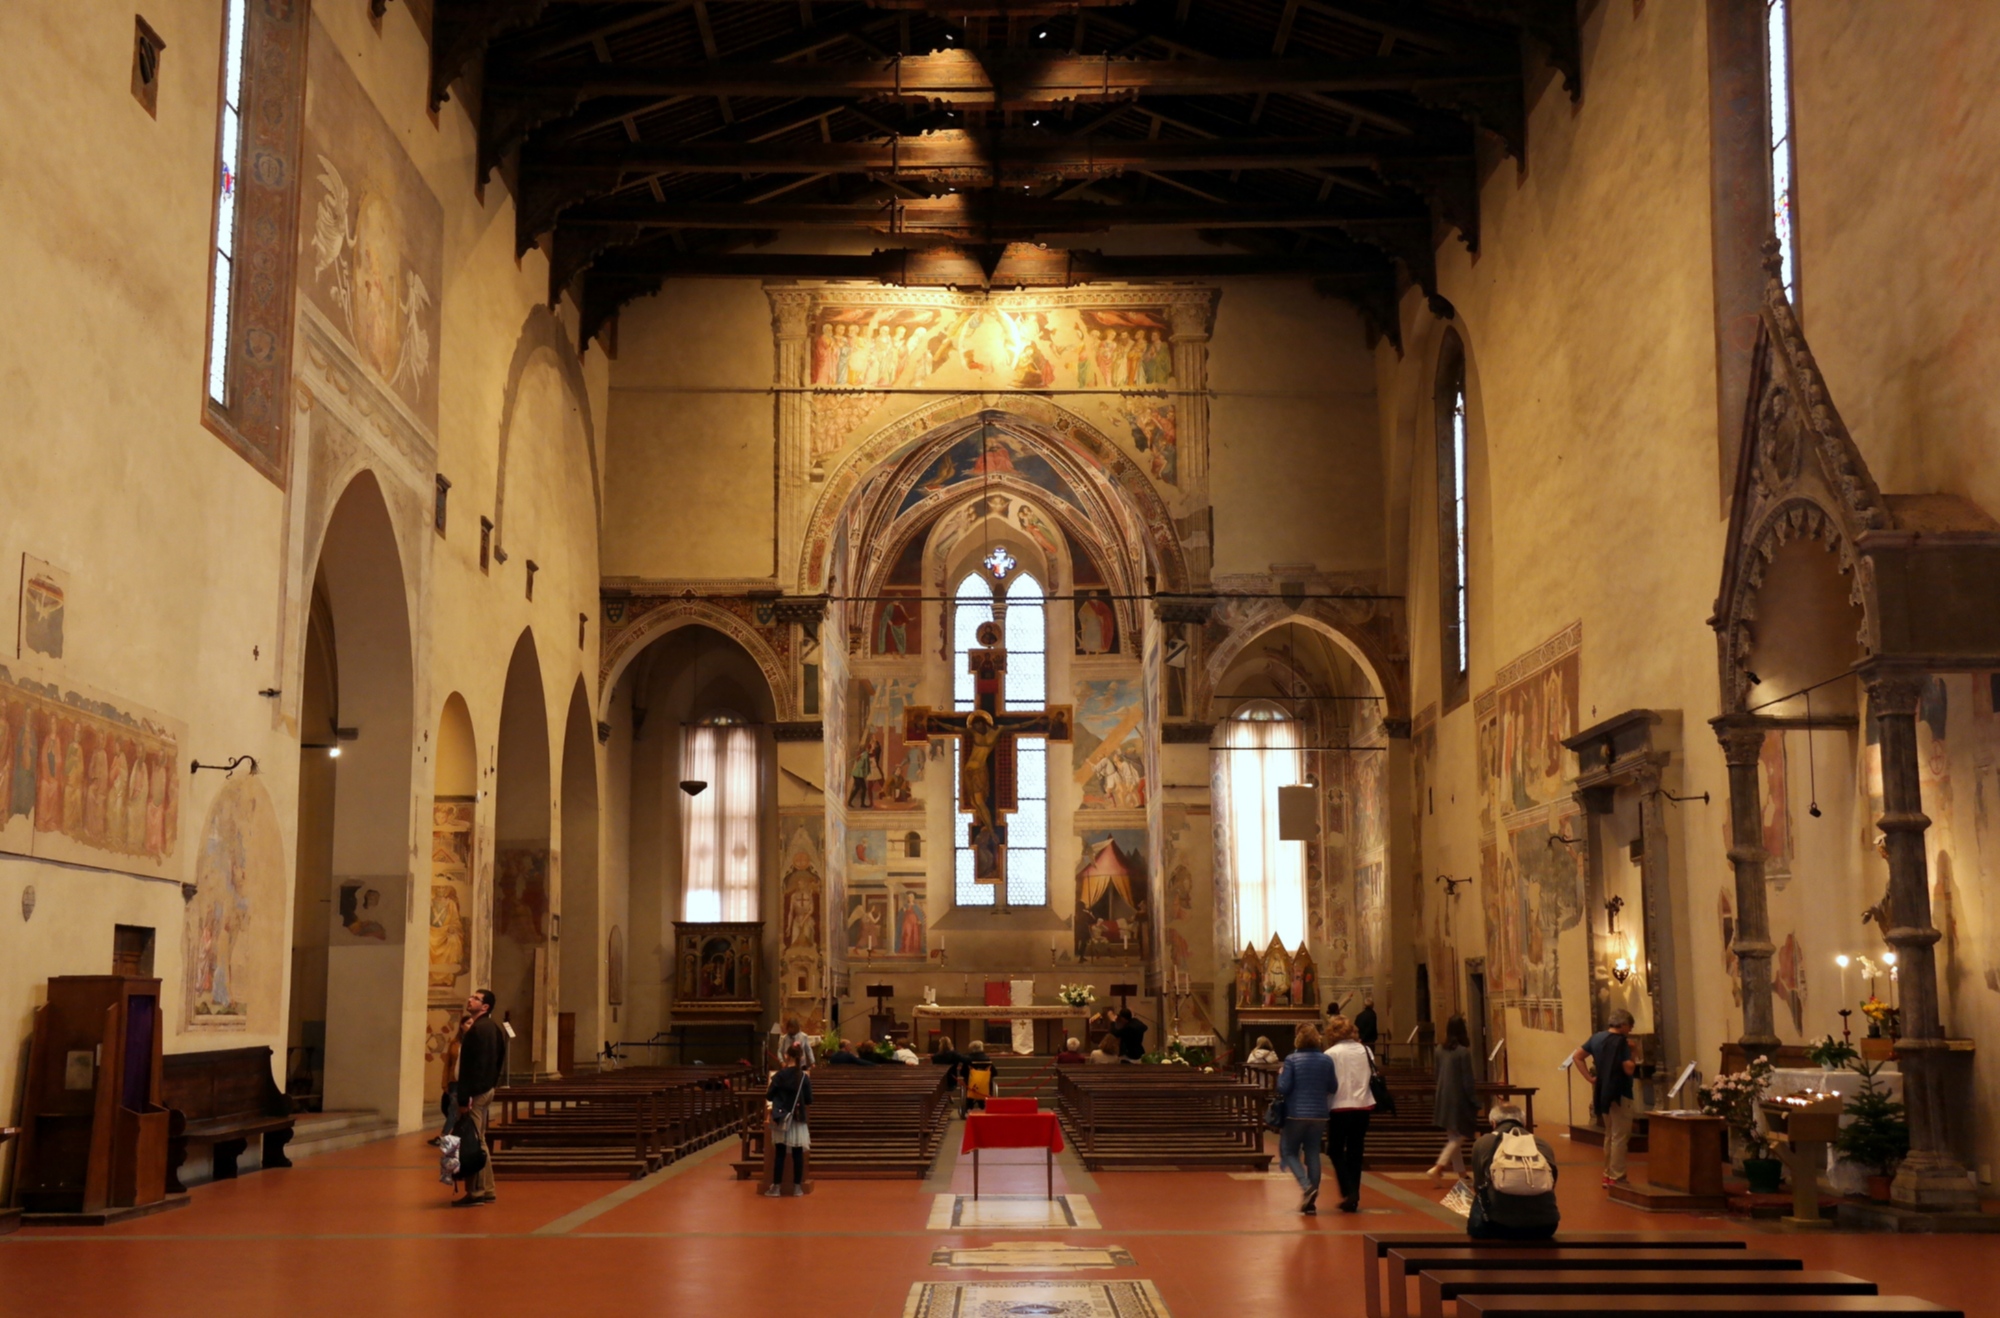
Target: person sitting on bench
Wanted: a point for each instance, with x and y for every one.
(1263, 1054)
(1513, 1182)
(1107, 1052)
(846, 1056)
(978, 1076)
(1071, 1054)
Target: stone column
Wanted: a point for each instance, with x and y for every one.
(1741, 747)
(792, 423)
(1931, 1177)
(1662, 971)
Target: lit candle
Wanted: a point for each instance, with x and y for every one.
(1843, 961)
(1889, 960)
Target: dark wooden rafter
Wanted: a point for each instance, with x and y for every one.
(1319, 139)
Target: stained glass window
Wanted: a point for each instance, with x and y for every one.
(1026, 638)
(1778, 81)
(229, 155)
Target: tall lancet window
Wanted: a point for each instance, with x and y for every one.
(1261, 752)
(1026, 639)
(1778, 83)
(719, 824)
(1453, 501)
(229, 152)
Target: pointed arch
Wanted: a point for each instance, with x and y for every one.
(672, 615)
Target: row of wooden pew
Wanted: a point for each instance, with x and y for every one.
(1121, 1117)
(1410, 1139)
(614, 1125)
(866, 1122)
(1609, 1275)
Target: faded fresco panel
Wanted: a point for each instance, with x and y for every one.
(371, 257)
(89, 779)
(232, 930)
(802, 907)
(451, 901)
(1113, 916)
(882, 769)
(44, 596)
(1106, 754)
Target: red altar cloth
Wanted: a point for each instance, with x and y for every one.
(1014, 1107)
(995, 1130)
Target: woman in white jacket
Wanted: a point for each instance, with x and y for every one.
(1348, 1107)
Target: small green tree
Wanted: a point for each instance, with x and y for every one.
(1878, 1137)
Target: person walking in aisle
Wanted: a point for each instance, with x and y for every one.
(789, 1094)
(1365, 1027)
(1305, 1083)
(1607, 1061)
(1348, 1107)
(482, 1065)
(1457, 1106)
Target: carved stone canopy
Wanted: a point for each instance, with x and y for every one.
(1924, 568)
(1614, 752)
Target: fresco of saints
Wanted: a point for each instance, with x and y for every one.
(910, 927)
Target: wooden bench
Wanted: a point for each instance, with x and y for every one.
(614, 1125)
(866, 1123)
(1704, 1306)
(222, 1099)
(1413, 1261)
(1439, 1285)
(1168, 1117)
(1375, 1247)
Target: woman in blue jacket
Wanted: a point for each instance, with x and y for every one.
(1305, 1084)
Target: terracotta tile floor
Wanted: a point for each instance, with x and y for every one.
(366, 1233)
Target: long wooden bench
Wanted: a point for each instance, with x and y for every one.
(1376, 1247)
(1167, 1117)
(1439, 1286)
(614, 1125)
(1413, 1261)
(867, 1123)
(222, 1099)
(1703, 1306)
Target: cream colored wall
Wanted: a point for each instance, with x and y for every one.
(1587, 322)
(177, 548)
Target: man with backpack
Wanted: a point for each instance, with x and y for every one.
(1513, 1182)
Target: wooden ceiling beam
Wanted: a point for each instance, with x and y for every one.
(951, 266)
(987, 216)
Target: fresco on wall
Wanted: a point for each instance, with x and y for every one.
(1105, 756)
(371, 258)
(451, 900)
(1536, 886)
(1788, 980)
(1371, 896)
(882, 769)
(898, 620)
(802, 904)
(1149, 424)
(521, 894)
(1096, 623)
(989, 452)
(233, 926)
(1775, 797)
(44, 597)
(1113, 918)
(88, 779)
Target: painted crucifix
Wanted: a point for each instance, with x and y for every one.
(986, 734)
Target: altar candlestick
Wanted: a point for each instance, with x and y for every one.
(1843, 961)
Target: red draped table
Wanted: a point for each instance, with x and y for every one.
(1015, 1129)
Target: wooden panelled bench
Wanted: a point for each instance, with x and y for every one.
(222, 1099)
(1703, 1306)
(878, 1122)
(1411, 1261)
(615, 1125)
(1438, 1287)
(1376, 1246)
(1121, 1117)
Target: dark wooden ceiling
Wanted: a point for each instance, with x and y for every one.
(1000, 142)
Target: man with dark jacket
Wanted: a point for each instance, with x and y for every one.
(1131, 1036)
(1365, 1028)
(1497, 1216)
(845, 1055)
(482, 1065)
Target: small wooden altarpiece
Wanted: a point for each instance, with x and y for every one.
(718, 980)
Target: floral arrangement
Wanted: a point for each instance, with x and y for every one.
(1889, 1018)
(1831, 1054)
(1179, 1054)
(1734, 1098)
(1076, 995)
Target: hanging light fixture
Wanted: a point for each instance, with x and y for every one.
(695, 786)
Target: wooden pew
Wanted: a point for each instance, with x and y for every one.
(1710, 1306)
(223, 1099)
(866, 1123)
(1439, 1285)
(1411, 1261)
(1375, 1247)
(612, 1125)
(1161, 1116)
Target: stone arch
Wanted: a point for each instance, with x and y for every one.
(863, 488)
(543, 333)
(672, 615)
(1346, 624)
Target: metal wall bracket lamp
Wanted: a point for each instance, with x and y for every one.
(227, 770)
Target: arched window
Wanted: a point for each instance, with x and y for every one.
(1778, 84)
(1261, 752)
(1026, 688)
(1454, 614)
(719, 832)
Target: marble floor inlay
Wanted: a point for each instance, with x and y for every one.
(1034, 1299)
(1010, 1255)
(1012, 1212)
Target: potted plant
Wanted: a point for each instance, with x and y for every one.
(1831, 1054)
(1884, 1027)
(1076, 995)
(1876, 1137)
(1734, 1098)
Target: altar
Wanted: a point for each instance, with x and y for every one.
(1047, 1022)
